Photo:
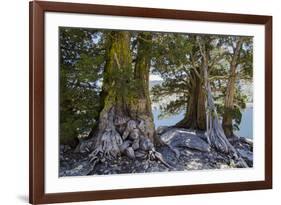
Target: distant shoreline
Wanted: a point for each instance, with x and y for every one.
(250, 104)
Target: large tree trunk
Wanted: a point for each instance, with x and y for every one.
(126, 112)
(227, 122)
(140, 108)
(114, 107)
(195, 116)
(228, 106)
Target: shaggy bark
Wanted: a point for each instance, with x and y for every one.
(114, 112)
(230, 91)
(195, 115)
(141, 106)
(125, 123)
(215, 133)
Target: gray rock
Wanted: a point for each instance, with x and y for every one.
(81, 168)
(125, 145)
(146, 144)
(140, 154)
(84, 146)
(246, 155)
(160, 130)
(135, 145)
(192, 147)
(184, 138)
(130, 153)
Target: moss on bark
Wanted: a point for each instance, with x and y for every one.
(125, 96)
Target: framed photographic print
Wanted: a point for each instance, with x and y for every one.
(139, 102)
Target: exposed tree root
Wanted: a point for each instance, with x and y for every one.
(215, 134)
(123, 137)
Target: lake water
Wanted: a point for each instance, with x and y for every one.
(246, 125)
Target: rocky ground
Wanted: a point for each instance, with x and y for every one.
(182, 150)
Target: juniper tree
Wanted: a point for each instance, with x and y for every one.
(81, 60)
(176, 60)
(240, 68)
(125, 100)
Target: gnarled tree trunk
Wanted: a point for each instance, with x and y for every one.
(230, 92)
(215, 133)
(228, 106)
(141, 106)
(114, 106)
(126, 112)
(195, 115)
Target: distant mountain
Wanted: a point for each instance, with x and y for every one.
(245, 86)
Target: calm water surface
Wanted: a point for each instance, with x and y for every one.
(246, 126)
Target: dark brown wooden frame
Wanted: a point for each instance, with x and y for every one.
(36, 106)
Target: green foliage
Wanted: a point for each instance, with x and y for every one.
(119, 80)
(85, 53)
(170, 88)
(177, 58)
(122, 83)
(235, 113)
(246, 59)
(171, 59)
(81, 63)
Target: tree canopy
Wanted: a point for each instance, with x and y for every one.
(96, 63)
(82, 59)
